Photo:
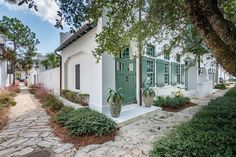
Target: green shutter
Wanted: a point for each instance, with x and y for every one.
(144, 70)
(174, 73)
(182, 74)
(160, 71)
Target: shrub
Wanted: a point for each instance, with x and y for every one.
(85, 121)
(52, 102)
(177, 101)
(220, 86)
(211, 132)
(75, 97)
(13, 89)
(231, 92)
(6, 100)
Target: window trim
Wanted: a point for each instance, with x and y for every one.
(167, 73)
(153, 72)
(154, 50)
(77, 73)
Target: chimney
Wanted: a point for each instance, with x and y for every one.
(64, 37)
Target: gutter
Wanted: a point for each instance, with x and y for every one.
(60, 68)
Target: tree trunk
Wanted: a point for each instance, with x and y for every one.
(221, 49)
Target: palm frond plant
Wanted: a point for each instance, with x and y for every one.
(115, 100)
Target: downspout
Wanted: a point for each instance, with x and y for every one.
(60, 69)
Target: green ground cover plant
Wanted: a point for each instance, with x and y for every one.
(75, 97)
(175, 102)
(220, 86)
(78, 122)
(211, 132)
(85, 121)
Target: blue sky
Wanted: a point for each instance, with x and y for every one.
(42, 23)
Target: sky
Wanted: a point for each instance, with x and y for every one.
(41, 22)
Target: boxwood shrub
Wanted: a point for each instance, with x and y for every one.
(85, 121)
(75, 97)
(177, 101)
(211, 133)
(220, 86)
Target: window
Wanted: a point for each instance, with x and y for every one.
(167, 56)
(150, 50)
(125, 53)
(178, 73)
(166, 74)
(178, 57)
(77, 76)
(119, 66)
(150, 72)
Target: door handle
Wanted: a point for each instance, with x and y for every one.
(127, 78)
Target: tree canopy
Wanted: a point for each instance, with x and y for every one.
(214, 21)
(51, 61)
(20, 41)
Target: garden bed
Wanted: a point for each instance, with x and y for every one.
(80, 127)
(174, 104)
(6, 101)
(177, 109)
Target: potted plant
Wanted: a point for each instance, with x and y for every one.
(115, 100)
(148, 96)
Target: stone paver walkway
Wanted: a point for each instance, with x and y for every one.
(135, 139)
(28, 130)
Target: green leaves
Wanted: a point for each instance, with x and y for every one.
(210, 133)
(85, 121)
(20, 41)
(51, 61)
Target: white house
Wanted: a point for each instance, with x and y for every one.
(5, 78)
(80, 71)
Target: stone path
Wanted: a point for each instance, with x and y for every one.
(135, 139)
(28, 130)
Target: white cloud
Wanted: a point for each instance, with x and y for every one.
(47, 9)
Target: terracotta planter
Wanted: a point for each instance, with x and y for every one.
(115, 108)
(148, 101)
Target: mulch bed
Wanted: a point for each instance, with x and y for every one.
(78, 141)
(4, 117)
(177, 109)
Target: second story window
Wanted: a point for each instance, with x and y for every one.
(150, 50)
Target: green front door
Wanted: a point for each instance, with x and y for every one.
(126, 79)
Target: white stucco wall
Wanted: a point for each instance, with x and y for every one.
(5, 79)
(108, 79)
(80, 52)
(50, 79)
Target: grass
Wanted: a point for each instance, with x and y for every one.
(211, 132)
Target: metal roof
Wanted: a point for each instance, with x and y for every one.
(82, 31)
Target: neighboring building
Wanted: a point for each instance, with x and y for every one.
(5, 78)
(81, 72)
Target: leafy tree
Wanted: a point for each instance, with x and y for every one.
(21, 41)
(214, 19)
(51, 61)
